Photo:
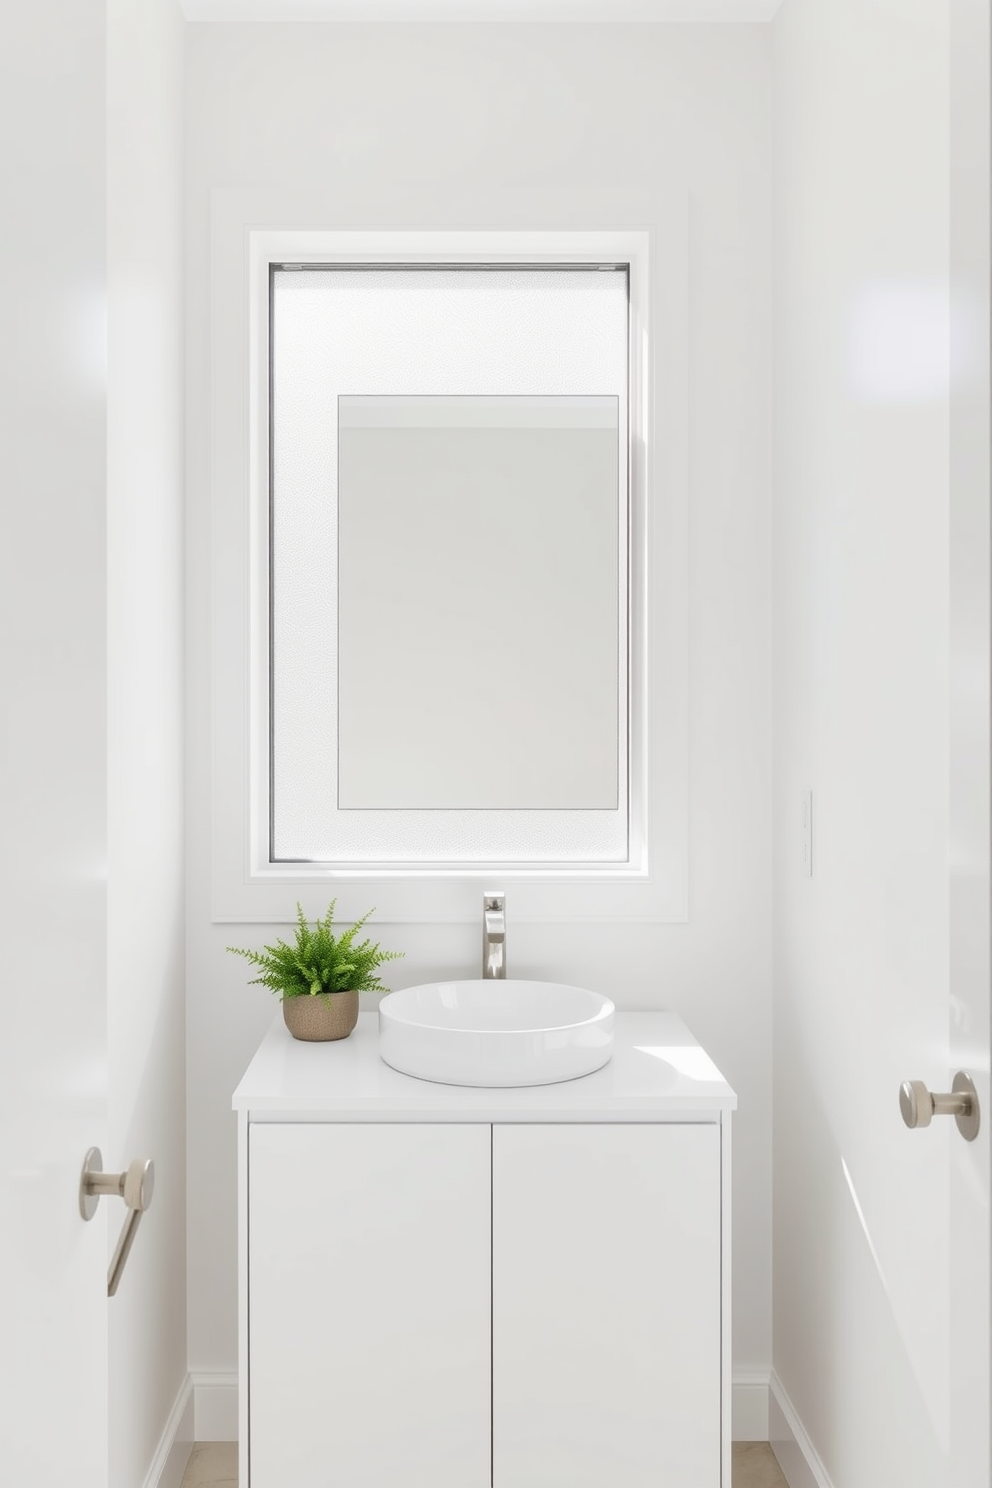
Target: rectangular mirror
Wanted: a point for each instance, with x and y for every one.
(491, 626)
(448, 549)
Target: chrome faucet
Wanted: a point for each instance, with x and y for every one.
(493, 936)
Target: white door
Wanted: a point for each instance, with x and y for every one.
(971, 738)
(881, 1265)
(53, 1289)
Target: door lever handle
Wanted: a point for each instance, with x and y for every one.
(135, 1186)
(919, 1106)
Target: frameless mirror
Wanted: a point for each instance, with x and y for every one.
(477, 603)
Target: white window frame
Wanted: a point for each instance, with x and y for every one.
(246, 885)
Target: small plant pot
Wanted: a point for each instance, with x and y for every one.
(329, 1015)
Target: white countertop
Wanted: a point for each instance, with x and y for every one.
(658, 1073)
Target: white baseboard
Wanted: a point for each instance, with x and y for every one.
(215, 1393)
(215, 1411)
(797, 1456)
(172, 1453)
(749, 1406)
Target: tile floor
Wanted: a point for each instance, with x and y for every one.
(756, 1466)
(215, 1465)
(212, 1465)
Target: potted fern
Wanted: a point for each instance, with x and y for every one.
(320, 976)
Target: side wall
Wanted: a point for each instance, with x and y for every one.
(145, 655)
(531, 127)
(861, 1243)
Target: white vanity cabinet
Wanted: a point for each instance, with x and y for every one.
(606, 1306)
(450, 1287)
(369, 1305)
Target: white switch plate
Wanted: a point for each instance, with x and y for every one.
(808, 833)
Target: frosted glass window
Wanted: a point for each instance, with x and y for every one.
(448, 564)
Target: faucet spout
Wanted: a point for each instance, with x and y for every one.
(494, 936)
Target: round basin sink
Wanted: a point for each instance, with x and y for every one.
(495, 1033)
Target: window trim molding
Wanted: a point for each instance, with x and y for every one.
(246, 886)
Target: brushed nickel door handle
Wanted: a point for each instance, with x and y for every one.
(919, 1106)
(135, 1186)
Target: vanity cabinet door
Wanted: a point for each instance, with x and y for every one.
(369, 1306)
(606, 1306)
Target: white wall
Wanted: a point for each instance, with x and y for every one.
(861, 1258)
(146, 1006)
(531, 127)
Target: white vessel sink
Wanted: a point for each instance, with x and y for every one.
(495, 1033)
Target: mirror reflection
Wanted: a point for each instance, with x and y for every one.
(479, 668)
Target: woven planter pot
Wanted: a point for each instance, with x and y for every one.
(329, 1015)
